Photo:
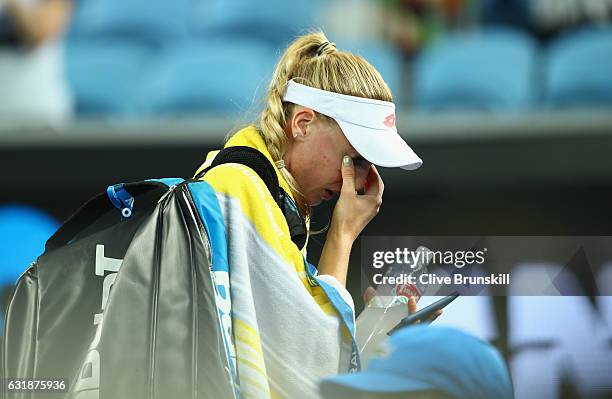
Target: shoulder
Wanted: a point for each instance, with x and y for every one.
(241, 190)
(238, 181)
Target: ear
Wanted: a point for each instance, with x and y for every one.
(299, 122)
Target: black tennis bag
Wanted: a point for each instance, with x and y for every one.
(124, 302)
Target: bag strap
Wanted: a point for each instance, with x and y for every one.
(261, 165)
(253, 159)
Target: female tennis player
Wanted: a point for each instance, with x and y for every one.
(329, 118)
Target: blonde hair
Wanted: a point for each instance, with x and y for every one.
(313, 61)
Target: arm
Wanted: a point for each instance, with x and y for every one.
(334, 259)
(41, 22)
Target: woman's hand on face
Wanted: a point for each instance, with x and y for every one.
(353, 211)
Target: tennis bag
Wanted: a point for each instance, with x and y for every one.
(131, 297)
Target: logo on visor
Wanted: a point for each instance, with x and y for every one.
(390, 120)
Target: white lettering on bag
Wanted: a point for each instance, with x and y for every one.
(87, 385)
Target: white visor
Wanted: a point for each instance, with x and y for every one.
(369, 125)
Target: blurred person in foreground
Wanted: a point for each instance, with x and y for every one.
(32, 81)
(427, 363)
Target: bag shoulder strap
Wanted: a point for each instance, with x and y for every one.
(253, 159)
(258, 162)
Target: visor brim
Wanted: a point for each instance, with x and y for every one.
(384, 148)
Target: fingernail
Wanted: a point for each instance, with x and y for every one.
(346, 161)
